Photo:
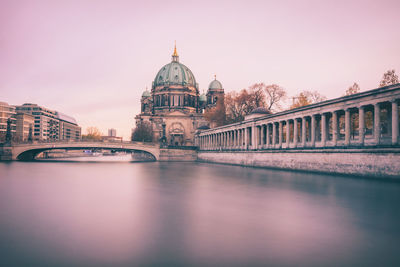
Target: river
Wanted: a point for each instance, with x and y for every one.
(193, 214)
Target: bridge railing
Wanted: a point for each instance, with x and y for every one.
(77, 141)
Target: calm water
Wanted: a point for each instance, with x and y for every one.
(185, 214)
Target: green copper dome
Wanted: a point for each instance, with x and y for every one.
(146, 93)
(175, 73)
(214, 85)
(203, 98)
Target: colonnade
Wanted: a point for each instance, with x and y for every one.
(359, 123)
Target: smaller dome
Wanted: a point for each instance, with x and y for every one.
(203, 127)
(202, 98)
(146, 93)
(260, 110)
(215, 85)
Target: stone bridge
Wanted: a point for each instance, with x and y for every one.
(28, 151)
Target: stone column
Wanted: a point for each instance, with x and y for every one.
(228, 139)
(262, 132)
(295, 132)
(237, 139)
(233, 139)
(361, 125)
(313, 130)
(287, 133)
(323, 129)
(267, 137)
(347, 127)
(245, 138)
(395, 122)
(303, 131)
(213, 141)
(242, 138)
(334, 128)
(280, 134)
(254, 137)
(377, 123)
(273, 134)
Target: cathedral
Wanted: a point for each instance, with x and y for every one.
(174, 106)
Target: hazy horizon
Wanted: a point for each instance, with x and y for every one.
(93, 59)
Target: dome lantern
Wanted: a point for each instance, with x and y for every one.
(175, 56)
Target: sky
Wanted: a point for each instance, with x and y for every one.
(92, 59)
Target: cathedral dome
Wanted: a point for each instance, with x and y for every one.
(215, 85)
(175, 73)
(203, 98)
(146, 93)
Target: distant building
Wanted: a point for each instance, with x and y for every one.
(112, 132)
(69, 129)
(24, 126)
(51, 125)
(7, 111)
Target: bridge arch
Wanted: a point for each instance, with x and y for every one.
(30, 151)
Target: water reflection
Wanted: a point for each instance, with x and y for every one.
(179, 214)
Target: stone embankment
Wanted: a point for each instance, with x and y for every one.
(383, 163)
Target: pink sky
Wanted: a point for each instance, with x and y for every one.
(93, 59)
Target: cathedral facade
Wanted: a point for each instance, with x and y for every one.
(174, 106)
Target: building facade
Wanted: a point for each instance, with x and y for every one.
(24, 127)
(50, 125)
(69, 129)
(174, 106)
(7, 112)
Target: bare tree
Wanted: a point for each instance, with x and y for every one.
(275, 94)
(143, 132)
(92, 133)
(354, 89)
(305, 98)
(236, 106)
(257, 94)
(389, 78)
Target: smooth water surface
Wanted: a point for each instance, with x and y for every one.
(192, 214)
